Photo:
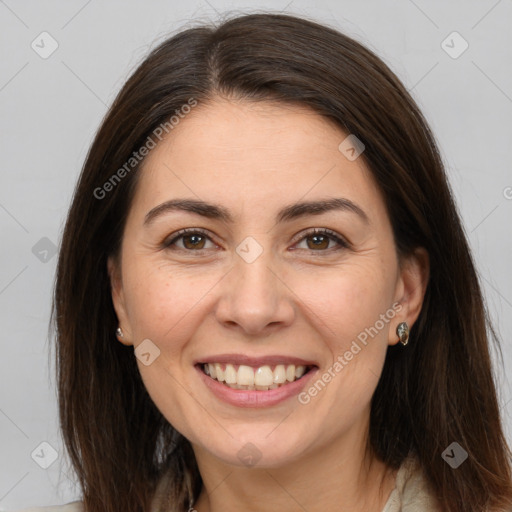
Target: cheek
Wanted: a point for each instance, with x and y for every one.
(163, 302)
(346, 307)
(349, 300)
(163, 306)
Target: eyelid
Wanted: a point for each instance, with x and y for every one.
(339, 239)
(168, 241)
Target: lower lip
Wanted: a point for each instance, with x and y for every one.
(246, 398)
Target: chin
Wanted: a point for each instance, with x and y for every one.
(254, 449)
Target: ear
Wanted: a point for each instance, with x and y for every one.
(411, 288)
(116, 286)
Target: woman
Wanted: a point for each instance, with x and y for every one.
(265, 299)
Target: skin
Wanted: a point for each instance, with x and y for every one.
(294, 299)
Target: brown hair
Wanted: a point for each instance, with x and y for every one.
(438, 390)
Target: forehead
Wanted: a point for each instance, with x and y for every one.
(262, 154)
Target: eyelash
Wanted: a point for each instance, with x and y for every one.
(343, 244)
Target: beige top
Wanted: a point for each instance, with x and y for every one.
(410, 494)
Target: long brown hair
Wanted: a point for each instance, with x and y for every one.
(440, 389)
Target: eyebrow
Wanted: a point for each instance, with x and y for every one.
(288, 213)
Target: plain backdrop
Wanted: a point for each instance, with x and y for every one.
(51, 106)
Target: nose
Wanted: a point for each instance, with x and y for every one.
(255, 297)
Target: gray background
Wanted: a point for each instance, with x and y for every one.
(50, 109)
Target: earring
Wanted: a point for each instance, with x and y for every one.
(402, 332)
(119, 332)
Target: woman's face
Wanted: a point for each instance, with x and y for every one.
(252, 291)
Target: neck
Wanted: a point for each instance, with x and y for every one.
(339, 476)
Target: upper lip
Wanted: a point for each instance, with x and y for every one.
(255, 361)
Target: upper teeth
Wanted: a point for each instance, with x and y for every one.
(263, 376)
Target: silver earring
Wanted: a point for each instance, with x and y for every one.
(119, 332)
(402, 332)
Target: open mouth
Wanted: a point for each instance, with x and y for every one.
(261, 378)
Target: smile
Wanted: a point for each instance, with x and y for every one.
(261, 378)
(255, 384)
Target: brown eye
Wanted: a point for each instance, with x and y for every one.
(191, 240)
(319, 239)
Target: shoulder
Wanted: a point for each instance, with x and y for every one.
(75, 506)
(412, 492)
